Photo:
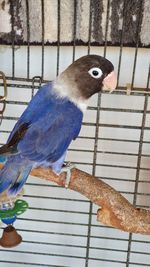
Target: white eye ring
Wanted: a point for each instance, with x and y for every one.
(95, 72)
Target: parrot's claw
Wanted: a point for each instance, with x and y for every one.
(67, 168)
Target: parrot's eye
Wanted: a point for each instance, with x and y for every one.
(95, 72)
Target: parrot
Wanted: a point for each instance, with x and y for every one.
(52, 120)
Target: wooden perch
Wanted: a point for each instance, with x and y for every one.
(115, 210)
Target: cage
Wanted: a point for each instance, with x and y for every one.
(38, 40)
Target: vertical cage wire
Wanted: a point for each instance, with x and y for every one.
(138, 168)
(96, 128)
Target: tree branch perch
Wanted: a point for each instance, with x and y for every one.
(115, 211)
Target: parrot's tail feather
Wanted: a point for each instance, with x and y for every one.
(14, 175)
(19, 183)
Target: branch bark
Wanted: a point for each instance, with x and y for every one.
(115, 210)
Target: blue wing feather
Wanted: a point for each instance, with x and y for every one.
(52, 123)
(49, 142)
(37, 107)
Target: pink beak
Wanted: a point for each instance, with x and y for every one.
(110, 82)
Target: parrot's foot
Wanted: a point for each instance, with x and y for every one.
(67, 168)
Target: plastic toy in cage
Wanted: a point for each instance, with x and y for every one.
(9, 211)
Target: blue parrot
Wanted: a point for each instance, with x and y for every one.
(52, 120)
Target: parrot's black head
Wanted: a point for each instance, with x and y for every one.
(86, 76)
(91, 73)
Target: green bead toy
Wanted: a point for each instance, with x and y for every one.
(20, 206)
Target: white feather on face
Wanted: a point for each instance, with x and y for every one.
(64, 87)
